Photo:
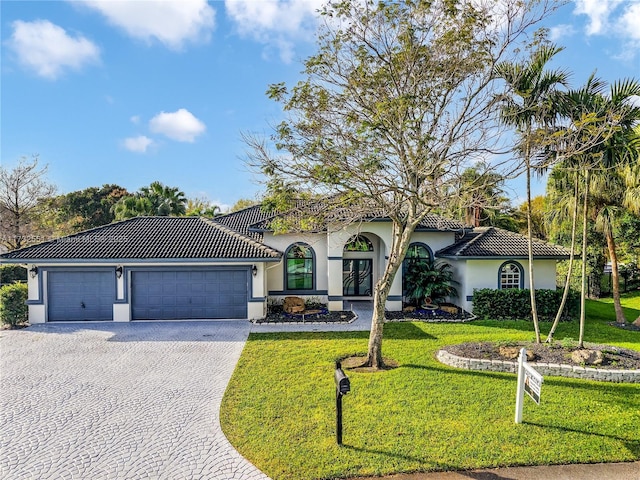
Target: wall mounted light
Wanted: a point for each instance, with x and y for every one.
(254, 270)
(33, 271)
(119, 271)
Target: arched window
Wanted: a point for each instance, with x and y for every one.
(417, 252)
(300, 267)
(359, 243)
(510, 275)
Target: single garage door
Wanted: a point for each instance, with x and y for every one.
(80, 295)
(189, 294)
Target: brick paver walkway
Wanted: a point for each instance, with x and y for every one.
(118, 401)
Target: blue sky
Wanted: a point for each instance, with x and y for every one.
(129, 92)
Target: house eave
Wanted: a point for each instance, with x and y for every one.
(135, 260)
(502, 257)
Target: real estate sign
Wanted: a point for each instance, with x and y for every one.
(532, 383)
(529, 380)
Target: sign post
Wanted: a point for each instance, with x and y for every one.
(529, 381)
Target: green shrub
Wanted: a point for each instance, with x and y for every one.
(515, 304)
(12, 274)
(13, 306)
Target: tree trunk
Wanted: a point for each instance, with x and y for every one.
(532, 288)
(583, 290)
(400, 243)
(567, 283)
(615, 277)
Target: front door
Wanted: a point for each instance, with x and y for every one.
(357, 277)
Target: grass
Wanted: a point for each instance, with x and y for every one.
(279, 408)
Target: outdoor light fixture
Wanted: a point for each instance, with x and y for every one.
(254, 270)
(119, 271)
(33, 271)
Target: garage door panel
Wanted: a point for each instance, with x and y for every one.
(189, 294)
(80, 295)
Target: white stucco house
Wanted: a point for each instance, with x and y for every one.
(229, 266)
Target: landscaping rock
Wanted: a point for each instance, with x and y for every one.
(587, 357)
(449, 309)
(293, 305)
(409, 309)
(512, 353)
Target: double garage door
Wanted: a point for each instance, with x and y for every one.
(187, 294)
(155, 294)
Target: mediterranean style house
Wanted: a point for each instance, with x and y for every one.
(172, 268)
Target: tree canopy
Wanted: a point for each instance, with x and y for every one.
(397, 101)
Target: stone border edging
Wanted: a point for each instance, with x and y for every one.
(553, 369)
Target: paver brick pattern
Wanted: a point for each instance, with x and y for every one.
(119, 401)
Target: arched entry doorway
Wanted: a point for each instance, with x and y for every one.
(357, 267)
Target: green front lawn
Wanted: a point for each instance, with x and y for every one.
(279, 408)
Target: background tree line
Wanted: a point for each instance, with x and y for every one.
(31, 211)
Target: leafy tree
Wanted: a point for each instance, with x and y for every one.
(201, 207)
(156, 199)
(21, 190)
(479, 198)
(530, 108)
(538, 217)
(80, 210)
(396, 101)
(243, 203)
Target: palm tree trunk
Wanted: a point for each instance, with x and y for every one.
(567, 283)
(532, 289)
(615, 277)
(583, 290)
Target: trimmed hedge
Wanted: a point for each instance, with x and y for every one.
(515, 304)
(12, 274)
(13, 304)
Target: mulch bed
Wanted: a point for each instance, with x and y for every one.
(433, 315)
(615, 358)
(626, 326)
(322, 316)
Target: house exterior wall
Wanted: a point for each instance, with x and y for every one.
(477, 274)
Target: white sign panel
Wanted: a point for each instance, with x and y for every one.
(532, 383)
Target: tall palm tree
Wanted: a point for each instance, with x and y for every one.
(614, 181)
(166, 200)
(604, 127)
(530, 107)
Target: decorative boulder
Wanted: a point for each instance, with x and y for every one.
(587, 357)
(449, 309)
(409, 309)
(513, 353)
(293, 305)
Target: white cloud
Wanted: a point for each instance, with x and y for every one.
(181, 125)
(561, 31)
(598, 12)
(48, 50)
(170, 22)
(630, 21)
(278, 24)
(135, 119)
(137, 144)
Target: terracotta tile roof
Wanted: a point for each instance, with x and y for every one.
(483, 242)
(143, 238)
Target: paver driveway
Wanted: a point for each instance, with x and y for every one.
(118, 401)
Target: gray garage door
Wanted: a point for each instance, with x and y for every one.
(81, 295)
(188, 294)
